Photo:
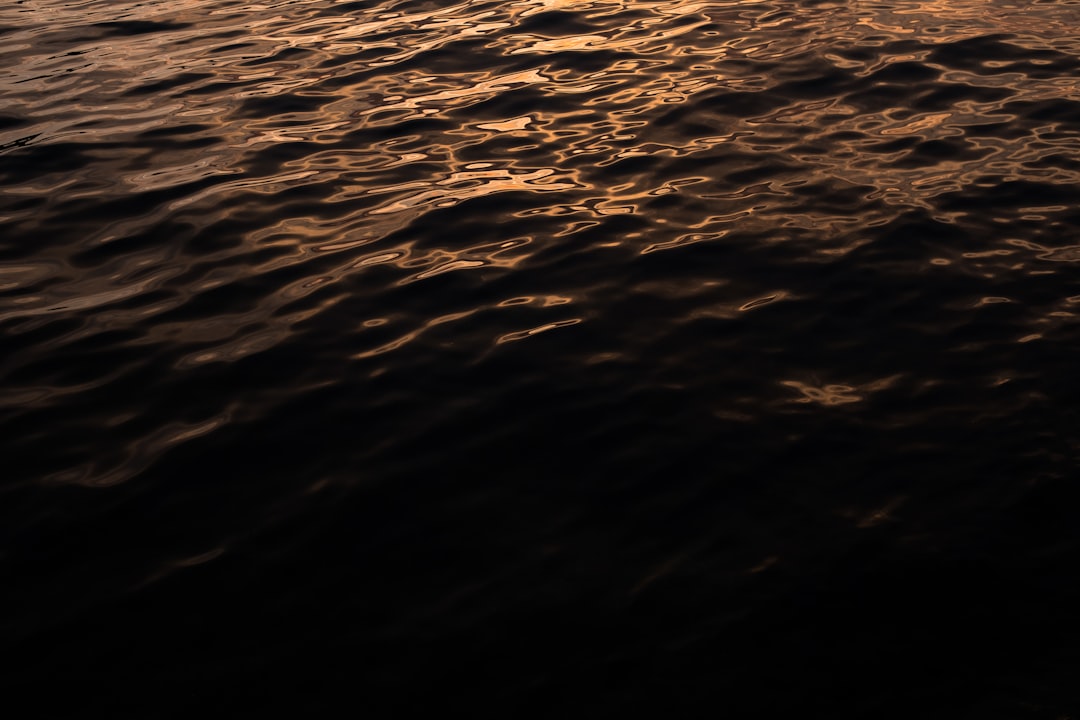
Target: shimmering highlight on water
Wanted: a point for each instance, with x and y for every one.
(546, 354)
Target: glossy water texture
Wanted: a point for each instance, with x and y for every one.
(541, 356)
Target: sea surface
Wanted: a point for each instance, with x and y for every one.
(540, 358)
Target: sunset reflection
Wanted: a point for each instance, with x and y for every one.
(396, 354)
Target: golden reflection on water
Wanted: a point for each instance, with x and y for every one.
(665, 73)
(429, 319)
(332, 143)
(604, 127)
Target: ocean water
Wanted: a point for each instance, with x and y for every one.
(542, 358)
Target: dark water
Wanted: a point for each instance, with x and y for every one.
(545, 358)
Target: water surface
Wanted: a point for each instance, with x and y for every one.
(546, 357)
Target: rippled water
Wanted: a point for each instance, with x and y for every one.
(544, 356)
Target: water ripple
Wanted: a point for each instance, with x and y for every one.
(317, 241)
